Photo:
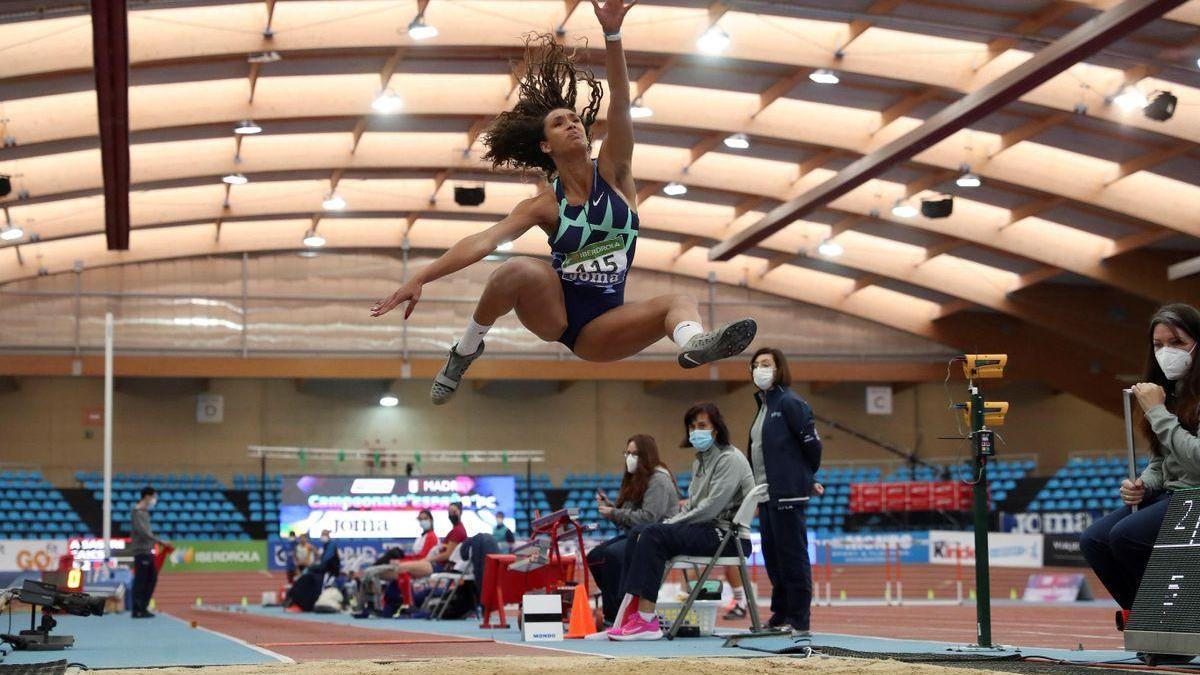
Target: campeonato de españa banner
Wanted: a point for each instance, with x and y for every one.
(216, 556)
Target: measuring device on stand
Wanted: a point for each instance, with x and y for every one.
(982, 415)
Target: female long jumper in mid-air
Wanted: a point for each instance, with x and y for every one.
(589, 215)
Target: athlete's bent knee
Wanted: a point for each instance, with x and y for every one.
(518, 271)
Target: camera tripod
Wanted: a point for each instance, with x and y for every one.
(38, 638)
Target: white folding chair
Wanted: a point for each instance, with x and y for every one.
(742, 519)
(448, 583)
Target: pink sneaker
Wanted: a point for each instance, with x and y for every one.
(636, 628)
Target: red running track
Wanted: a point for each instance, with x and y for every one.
(313, 641)
(1025, 626)
(1062, 627)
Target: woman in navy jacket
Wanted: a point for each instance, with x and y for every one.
(785, 453)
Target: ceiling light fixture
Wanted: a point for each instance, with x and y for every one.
(968, 179)
(12, 233)
(389, 400)
(824, 76)
(830, 249)
(1130, 99)
(247, 128)
(419, 30)
(638, 111)
(903, 209)
(333, 202)
(674, 189)
(387, 102)
(264, 57)
(738, 142)
(313, 240)
(234, 179)
(714, 41)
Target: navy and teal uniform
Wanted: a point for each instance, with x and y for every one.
(593, 251)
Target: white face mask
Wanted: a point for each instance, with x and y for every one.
(630, 463)
(1175, 363)
(764, 378)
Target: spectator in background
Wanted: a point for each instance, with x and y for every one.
(423, 546)
(328, 551)
(371, 586)
(504, 536)
(428, 540)
(648, 495)
(289, 556)
(141, 545)
(305, 553)
(328, 562)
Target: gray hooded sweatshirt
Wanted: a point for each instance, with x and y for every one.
(721, 479)
(660, 501)
(1179, 467)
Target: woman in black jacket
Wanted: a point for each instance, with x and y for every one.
(785, 453)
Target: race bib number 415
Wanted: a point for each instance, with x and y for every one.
(605, 258)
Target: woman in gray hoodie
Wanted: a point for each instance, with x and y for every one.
(648, 495)
(721, 479)
(1118, 546)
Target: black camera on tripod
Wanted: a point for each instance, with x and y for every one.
(48, 597)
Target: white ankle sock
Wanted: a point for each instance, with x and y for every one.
(739, 597)
(646, 616)
(471, 338)
(686, 330)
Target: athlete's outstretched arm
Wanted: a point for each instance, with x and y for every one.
(468, 251)
(617, 150)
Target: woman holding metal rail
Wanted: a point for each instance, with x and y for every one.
(1118, 546)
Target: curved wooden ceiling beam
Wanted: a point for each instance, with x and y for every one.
(1029, 236)
(166, 35)
(1073, 366)
(1143, 200)
(692, 224)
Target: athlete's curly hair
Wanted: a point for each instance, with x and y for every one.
(551, 81)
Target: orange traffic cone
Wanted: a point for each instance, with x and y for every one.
(582, 623)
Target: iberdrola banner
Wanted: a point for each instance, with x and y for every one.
(216, 556)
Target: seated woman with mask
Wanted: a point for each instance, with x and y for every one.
(1118, 546)
(422, 546)
(721, 479)
(648, 495)
(371, 587)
